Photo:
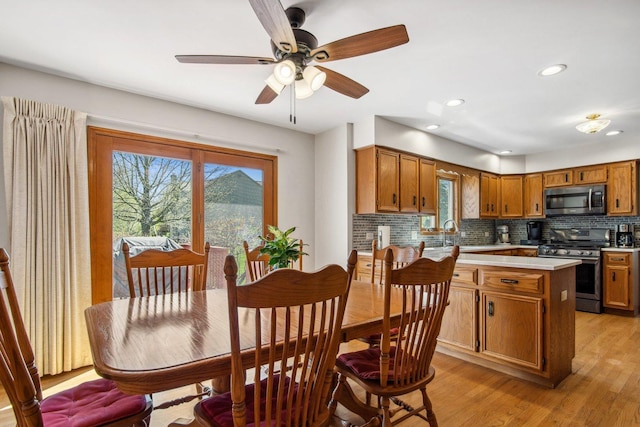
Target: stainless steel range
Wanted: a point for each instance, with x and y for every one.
(583, 244)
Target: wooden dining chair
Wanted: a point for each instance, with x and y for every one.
(292, 319)
(257, 263)
(402, 363)
(95, 403)
(402, 255)
(156, 272)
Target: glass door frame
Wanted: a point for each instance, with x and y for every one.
(101, 145)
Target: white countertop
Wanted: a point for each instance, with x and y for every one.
(533, 263)
(621, 249)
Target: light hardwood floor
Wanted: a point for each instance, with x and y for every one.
(604, 389)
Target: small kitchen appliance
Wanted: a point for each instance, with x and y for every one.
(624, 236)
(534, 233)
(503, 234)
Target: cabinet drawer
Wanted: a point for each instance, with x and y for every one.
(512, 280)
(617, 258)
(466, 275)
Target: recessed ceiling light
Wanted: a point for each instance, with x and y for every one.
(505, 152)
(454, 102)
(432, 127)
(613, 132)
(552, 70)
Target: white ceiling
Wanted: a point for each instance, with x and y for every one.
(487, 52)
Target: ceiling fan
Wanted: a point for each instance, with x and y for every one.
(294, 49)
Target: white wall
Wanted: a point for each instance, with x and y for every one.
(613, 151)
(334, 195)
(295, 150)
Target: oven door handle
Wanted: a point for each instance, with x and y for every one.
(590, 191)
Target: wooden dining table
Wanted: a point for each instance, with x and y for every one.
(157, 343)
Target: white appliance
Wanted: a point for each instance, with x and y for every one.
(384, 234)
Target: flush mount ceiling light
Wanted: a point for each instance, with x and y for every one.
(454, 102)
(593, 124)
(552, 70)
(505, 152)
(613, 132)
(432, 127)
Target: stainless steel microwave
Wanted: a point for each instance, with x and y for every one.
(584, 200)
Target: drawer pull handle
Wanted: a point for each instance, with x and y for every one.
(617, 259)
(509, 281)
(456, 274)
(490, 308)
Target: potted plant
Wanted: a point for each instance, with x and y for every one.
(281, 248)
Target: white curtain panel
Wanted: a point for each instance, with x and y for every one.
(46, 183)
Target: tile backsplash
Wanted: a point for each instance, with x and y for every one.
(476, 231)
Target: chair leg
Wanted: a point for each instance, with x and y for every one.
(431, 416)
(386, 414)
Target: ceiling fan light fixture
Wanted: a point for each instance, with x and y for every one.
(303, 89)
(593, 124)
(314, 77)
(285, 72)
(274, 84)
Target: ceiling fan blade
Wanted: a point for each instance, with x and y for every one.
(343, 84)
(222, 59)
(362, 44)
(274, 19)
(266, 96)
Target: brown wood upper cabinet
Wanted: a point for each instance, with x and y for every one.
(533, 196)
(596, 174)
(389, 181)
(488, 196)
(590, 175)
(622, 193)
(511, 196)
(409, 183)
(558, 178)
(427, 200)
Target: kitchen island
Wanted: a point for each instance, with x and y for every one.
(513, 314)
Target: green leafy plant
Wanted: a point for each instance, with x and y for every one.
(281, 248)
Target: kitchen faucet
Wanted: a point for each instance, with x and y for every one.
(451, 242)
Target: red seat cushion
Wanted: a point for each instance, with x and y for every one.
(218, 408)
(366, 363)
(90, 404)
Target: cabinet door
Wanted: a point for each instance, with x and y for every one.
(616, 280)
(511, 192)
(488, 195)
(558, 178)
(622, 189)
(470, 196)
(427, 186)
(459, 323)
(409, 183)
(591, 175)
(511, 328)
(533, 196)
(388, 181)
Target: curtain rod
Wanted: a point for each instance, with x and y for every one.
(178, 132)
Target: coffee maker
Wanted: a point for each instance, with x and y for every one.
(503, 234)
(534, 233)
(624, 236)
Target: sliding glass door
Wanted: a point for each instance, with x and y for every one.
(156, 193)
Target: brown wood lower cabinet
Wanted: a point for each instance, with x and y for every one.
(620, 281)
(517, 321)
